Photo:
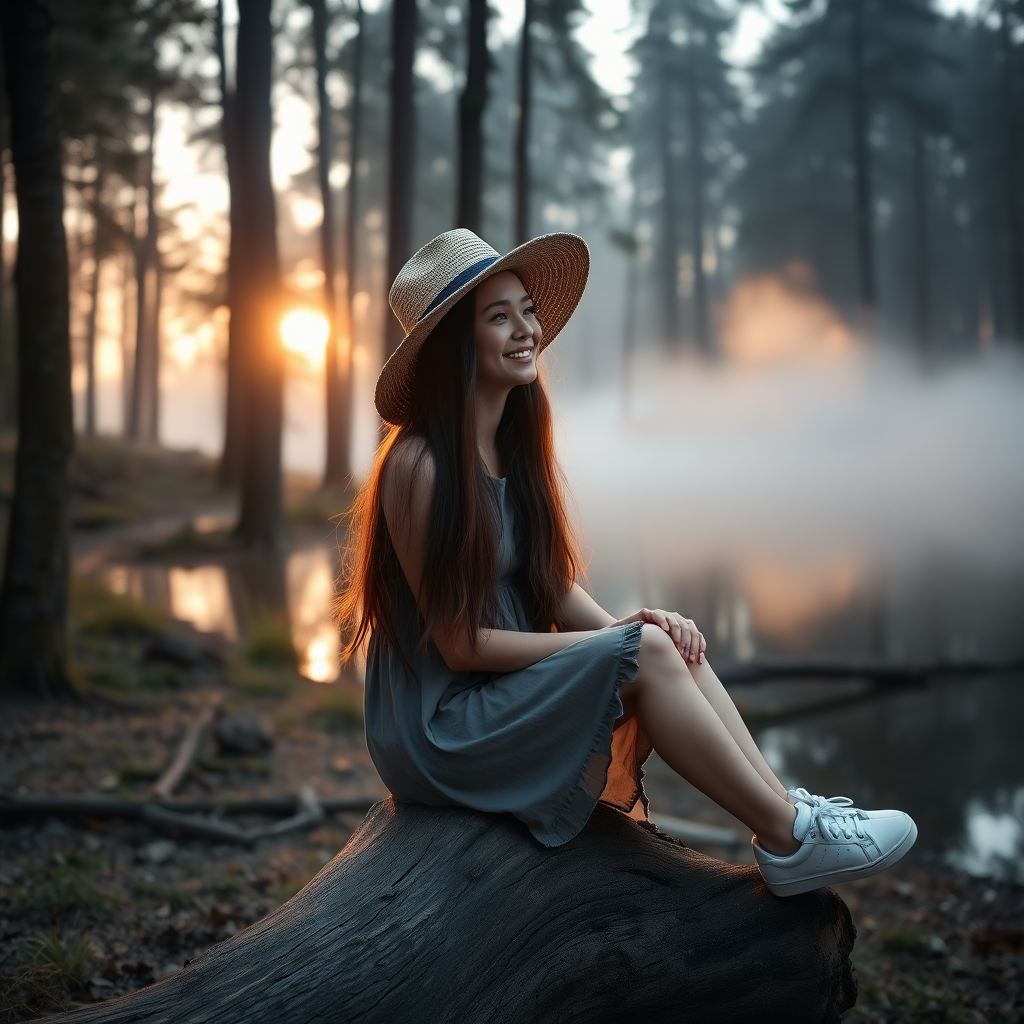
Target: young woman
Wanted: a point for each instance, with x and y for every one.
(493, 679)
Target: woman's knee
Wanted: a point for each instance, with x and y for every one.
(658, 659)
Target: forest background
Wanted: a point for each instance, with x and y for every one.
(241, 183)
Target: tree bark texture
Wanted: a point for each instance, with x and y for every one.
(1015, 222)
(921, 276)
(33, 601)
(230, 469)
(336, 460)
(472, 104)
(143, 421)
(90, 323)
(346, 357)
(695, 113)
(401, 152)
(862, 199)
(669, 269)
(444, 914)
(522, 208)
(258, 285)
(7, 386)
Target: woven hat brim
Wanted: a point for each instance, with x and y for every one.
(554, 270)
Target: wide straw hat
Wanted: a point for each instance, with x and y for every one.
(553, 269)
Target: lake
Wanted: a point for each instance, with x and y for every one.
(851, 508)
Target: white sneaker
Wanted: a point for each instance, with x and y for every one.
(838, 842)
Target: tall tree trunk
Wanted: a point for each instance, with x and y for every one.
(472, 104)
(670, 246)
(861, 171)
(1012, 178)
(922, 286)
(347, 358)
(146, 370)
(127, 355)
(258, 284)
(230, 469)
(336, 462)
(90, 323)
(522, 206)
(697, 217)
(33, 600)
(402, 150)
(7, 361)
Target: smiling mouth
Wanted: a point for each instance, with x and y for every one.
(520, 355)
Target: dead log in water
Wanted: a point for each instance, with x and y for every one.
(444, 914)
(881, 673)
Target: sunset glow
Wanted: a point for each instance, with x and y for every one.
(305, 331)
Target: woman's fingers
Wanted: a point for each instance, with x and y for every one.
(686, 638)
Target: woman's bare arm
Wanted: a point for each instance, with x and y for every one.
(581, 611)
(408, 489)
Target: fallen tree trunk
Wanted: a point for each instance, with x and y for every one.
(47, 805)
(881, 672)
(444, 914)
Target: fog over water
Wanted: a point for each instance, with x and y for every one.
(821, 476)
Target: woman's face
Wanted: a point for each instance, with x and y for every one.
(507, 334)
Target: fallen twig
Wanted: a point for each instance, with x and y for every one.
(57, 806)
(170, 779)
(193, 824)
(310, 813)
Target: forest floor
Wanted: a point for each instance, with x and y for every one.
(92, 907)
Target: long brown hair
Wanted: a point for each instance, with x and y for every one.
(458, 587)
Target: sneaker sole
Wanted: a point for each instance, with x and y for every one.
(799, 885)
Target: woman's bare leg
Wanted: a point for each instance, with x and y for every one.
(695, 743)
(717, 696)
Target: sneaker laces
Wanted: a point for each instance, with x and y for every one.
(835, 815)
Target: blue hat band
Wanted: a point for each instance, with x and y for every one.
(457, 282)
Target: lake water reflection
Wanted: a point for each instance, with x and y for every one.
(843, 511)
(217, 598)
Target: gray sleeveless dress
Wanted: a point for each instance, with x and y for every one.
(545, 743)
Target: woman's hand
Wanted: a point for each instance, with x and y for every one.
(688, 639)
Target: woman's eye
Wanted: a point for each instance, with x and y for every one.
(497, 315)
(532, 310)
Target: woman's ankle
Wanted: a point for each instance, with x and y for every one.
(778, 838)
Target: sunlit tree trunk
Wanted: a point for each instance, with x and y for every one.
(7, 368)
(522, 205)
(695, 114)
(921, 278)
(143, 415)
(234, 400)
(258, 284)
(90, 324)
(1012, 175)
(402, 151)
(33, 599)
(127, 355)
(472, 104)
(336, 463)
(861, 171)
(346, 362)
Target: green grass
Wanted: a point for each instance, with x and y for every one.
(162, 892)
(138, 771)
(260, 681)
(335, 706)
(99, 612)
(903, 939)
(325, 506)
(63, 960)
(66, 888)
(268, 643)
